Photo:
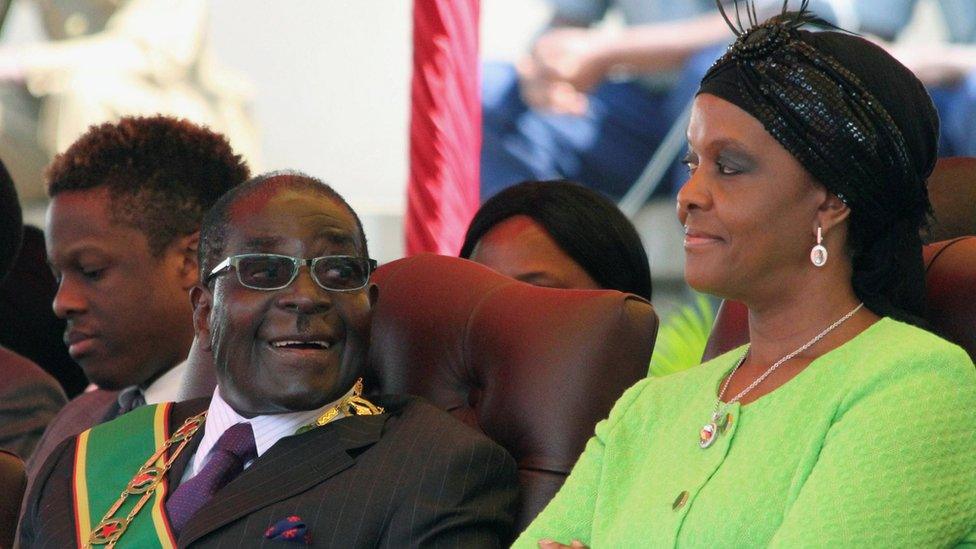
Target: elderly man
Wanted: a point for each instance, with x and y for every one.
(127, 200)
(286, 449)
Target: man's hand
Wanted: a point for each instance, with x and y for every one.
(541, 93)
(12, 67)
(564, 65)
(572, 55)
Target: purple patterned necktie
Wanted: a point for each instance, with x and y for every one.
(233, 449)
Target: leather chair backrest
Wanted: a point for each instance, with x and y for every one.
(731, 329)
(950, 283)
(952, 191)
(13, 482)
(533, 368)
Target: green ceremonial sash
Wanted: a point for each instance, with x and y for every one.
(107, 458)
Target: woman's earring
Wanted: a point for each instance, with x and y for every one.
(818, 255)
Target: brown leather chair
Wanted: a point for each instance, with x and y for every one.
(533, 368)
(952, 191)
(950, 282)
(731, 329)
(13, 481)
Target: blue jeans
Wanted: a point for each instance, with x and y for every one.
(957, 111)
(605, 149)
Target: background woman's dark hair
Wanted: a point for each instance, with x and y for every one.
(585, 224)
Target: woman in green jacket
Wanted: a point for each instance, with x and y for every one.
(843, 423)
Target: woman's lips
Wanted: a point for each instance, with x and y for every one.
(697, 239)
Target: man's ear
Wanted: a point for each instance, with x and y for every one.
(374, 294)
(830, 213)
(186, 248)
(202, 301)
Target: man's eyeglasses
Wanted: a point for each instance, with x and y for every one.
(339, 273)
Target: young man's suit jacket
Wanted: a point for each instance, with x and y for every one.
(80, 413)
(410, 477)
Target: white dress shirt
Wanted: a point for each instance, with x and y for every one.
(164, 389)
(268, 429)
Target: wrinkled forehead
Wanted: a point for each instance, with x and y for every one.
(283, 220)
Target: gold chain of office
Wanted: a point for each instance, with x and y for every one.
(148, 477)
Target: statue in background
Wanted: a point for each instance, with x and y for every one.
(109, 58)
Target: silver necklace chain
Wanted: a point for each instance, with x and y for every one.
(720, 409)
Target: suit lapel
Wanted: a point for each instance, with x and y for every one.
(273, 477)
(111, 412)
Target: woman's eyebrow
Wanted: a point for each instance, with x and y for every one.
(726, 144)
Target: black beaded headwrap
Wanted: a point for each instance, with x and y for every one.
(860, 122)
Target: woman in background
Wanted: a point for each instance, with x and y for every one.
(559, 234)
(842, 422)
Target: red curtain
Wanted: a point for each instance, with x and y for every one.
(445, 125)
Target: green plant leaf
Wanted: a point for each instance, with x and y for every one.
(682, 337)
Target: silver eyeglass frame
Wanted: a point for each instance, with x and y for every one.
(298, 262)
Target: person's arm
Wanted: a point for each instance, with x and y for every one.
(566, 62)
(152, 37)
(569, 60)
(641, 49)
(936, 63)
(569, 516)
(577, 13)
(29, 401)
(898, 465)
(883, 18)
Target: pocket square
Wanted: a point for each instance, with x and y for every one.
(291, 529)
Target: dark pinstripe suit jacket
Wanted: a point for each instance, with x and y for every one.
(411, 477)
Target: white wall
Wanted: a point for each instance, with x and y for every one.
(331, 82)
(332, 89)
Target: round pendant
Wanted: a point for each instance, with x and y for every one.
(818, 255)
(707, 435)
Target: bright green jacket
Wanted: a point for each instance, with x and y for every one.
(872, 445)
